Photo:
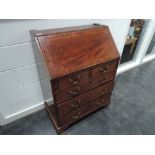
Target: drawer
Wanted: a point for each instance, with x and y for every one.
(85, 110)
(104, 72)
(72, 92)
(76, 102)
(74, 79)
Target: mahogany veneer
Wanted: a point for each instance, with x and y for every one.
(82, 63)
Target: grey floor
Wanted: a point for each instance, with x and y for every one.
(132, 110)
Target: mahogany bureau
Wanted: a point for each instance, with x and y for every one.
(82, 63)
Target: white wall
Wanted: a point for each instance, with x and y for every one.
(24, 82)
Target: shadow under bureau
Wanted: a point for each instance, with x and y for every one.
(82, 63)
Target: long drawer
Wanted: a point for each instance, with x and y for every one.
(85, 110)
(70, 105)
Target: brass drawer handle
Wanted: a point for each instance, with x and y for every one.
(72, 82)
(76, 104)
(100, 103)
(76, 116)
(103, 100)
(104, 69)
(73, 93)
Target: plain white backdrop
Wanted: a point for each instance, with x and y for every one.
(77, 145)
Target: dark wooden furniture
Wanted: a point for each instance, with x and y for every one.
(82, 63)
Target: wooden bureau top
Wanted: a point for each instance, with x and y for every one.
(67, 50)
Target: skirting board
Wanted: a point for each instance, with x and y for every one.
(23, 113)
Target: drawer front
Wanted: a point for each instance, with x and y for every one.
(85, 110)
(72, 80)
(104, 72)
(70, 105)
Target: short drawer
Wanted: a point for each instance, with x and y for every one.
(78, 101)
(104, 72)
(85, 110)
(74, 79)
